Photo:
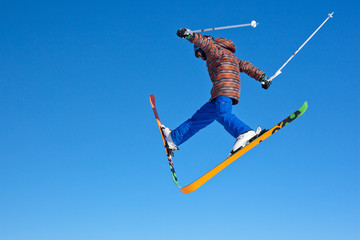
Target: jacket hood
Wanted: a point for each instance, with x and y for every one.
(225, 43)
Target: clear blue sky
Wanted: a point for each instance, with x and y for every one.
(80, 153)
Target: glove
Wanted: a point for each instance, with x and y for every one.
(265, 84)
(184, 33)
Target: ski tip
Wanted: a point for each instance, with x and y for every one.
(306, 104)
(303, 108)
(152, 98)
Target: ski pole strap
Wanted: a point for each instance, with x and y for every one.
(278, 72)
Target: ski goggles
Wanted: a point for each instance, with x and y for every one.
(197, 52)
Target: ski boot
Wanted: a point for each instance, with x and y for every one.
(244, 139)
(170, 145)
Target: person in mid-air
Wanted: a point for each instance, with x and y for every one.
(224, 69)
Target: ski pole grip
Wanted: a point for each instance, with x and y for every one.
(274, 76)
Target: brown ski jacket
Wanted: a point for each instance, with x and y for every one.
(224, 67)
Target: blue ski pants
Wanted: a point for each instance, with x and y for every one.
(220, 110)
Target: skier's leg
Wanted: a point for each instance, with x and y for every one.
(202, 118)
(231, 123)
(239, 130)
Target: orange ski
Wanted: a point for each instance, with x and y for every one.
(206, 177)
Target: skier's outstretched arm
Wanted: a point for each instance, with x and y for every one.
(254, 72)
(204, 42)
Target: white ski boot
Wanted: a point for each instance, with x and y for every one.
(244, 139)
(166, 131)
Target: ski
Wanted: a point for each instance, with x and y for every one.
(206, 177)
(169, 153)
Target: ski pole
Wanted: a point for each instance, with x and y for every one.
(278, 72)
(252, 24)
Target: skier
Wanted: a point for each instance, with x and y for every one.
(224, 69)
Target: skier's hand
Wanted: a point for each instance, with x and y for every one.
(265, 83)
(184, 33)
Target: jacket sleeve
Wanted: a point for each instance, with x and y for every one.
(206, 44)
(250, 70)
